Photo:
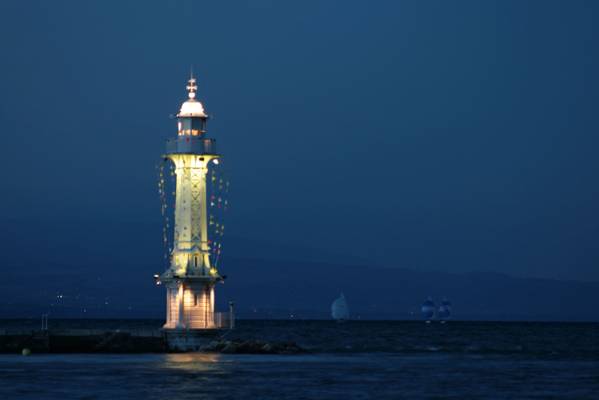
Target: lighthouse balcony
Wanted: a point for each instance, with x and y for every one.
(190, 145)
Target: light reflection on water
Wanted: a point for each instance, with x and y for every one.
(197, 362)
(323, 376)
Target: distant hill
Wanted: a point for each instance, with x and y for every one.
(306, 290)
(293, 289)
(104, 269)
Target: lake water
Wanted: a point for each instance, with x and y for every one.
(357, 360)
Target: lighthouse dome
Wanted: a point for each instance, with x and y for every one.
(192, 108)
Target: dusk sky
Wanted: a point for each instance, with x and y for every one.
(431, 135)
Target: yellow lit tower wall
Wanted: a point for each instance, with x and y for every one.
(190, 278)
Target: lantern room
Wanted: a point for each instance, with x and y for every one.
(192, 117)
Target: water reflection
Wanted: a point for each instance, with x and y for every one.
(198, 362)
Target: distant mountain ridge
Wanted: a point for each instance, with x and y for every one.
(293, 289)
(307, 289)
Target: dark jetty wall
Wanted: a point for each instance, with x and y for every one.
(126, 342)
(252, 347)
(106, 342)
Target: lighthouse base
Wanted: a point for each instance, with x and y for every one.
(190, 304)
(183, 340)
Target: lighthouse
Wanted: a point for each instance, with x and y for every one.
(191, 277)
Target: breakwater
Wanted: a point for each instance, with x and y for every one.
(83, 341)
(140, 341)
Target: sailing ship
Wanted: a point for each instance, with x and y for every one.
(339, 309)
(444, 311)
(428, 309)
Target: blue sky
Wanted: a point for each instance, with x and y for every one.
(452, 136)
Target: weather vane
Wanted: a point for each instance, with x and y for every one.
(192, 87)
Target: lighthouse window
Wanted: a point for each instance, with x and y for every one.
(195, 299)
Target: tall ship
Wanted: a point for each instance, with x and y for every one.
(444, 311)
(428, 309)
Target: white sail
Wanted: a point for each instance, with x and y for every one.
(428, 309)
(339, 309)
(445, 310)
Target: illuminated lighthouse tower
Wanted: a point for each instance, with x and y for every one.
(190, 278)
